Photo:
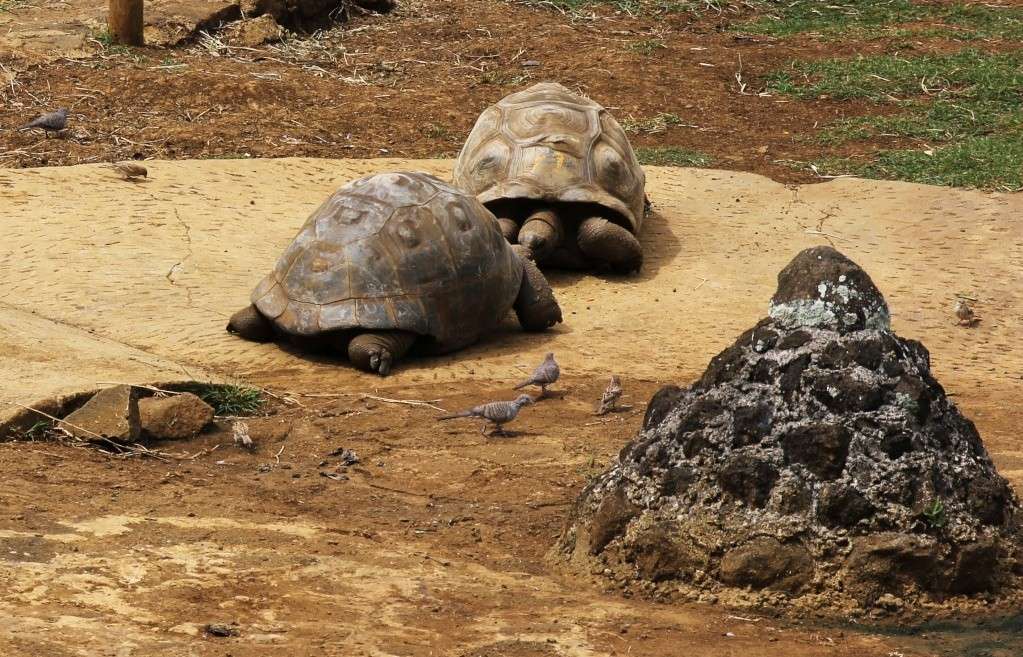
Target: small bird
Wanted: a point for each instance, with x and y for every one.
(49, 122)
(240, 431)
(965, 314)
(610, 397)
(129, 170)
(544, 375)
(499, 412)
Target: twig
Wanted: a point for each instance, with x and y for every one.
(702, 281)
(409, 402)
(57, 419)
(130, 448)
(277, 456)
(743, 618)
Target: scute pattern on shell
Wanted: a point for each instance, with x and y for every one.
(394, 251)
(547, 143)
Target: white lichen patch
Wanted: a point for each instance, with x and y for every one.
(832, 309)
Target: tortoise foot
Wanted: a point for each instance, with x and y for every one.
(251, 324)
(377, 352)
(607, 243)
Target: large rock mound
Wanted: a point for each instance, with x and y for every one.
(817, 458)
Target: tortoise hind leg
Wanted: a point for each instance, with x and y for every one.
(251, 324)
(377, 351)
(536, 307)
(604, 242)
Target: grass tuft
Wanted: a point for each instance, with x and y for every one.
(228, 399)
(647, 46)
(672, 156)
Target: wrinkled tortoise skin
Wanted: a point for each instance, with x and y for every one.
(394, 251)
(548, 144)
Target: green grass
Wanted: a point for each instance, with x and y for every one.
(672, 156)
(865, 18)
(646, 46)
(651, 125)
(986, 162)
(965, 108)
(228, 399)
(968, 74)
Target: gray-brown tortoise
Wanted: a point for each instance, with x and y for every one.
(559, 173)
(391, 261)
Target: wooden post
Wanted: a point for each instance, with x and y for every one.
(124, 21)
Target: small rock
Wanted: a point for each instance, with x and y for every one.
(529, 63)
(175, 417)
(111, 413)
(252, 32)
(347, 456)
(220, 630)
(890, 602)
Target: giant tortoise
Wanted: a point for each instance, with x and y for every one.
(559, 173)
(391, 261)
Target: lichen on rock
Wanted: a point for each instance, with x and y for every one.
(817, 457)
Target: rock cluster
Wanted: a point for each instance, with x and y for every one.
(817, 456)
(118, 414)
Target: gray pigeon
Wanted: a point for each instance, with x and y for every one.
(544, 375)
(499, 412)
(49, 122)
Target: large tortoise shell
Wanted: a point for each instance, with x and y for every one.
(394, 251)
(547, 143)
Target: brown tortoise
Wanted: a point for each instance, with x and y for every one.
(393, 260)
(559, 173)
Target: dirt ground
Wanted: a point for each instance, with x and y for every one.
(434, 543)
(411, 83)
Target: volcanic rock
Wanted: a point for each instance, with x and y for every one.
(112, 413)
(174, 418)
(815, 456)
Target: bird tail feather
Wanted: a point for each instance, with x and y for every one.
(523, 384)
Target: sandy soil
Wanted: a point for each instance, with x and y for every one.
(435, 542)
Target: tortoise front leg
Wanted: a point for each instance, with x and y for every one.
(251, 324)
(509, 228)
(377, 351)
(604, 242)
(536, 307)
(541, 233)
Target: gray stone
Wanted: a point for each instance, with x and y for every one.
(175, 417)
(112, 413)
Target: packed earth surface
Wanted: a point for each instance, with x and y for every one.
(355, 523)
(437, 540)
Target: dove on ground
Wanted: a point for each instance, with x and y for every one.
(129, 170)
(544, 375)
(499, 412)
(49, 122)
(965, 314)
(611, 395)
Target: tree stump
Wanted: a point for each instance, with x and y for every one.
(124, 22)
